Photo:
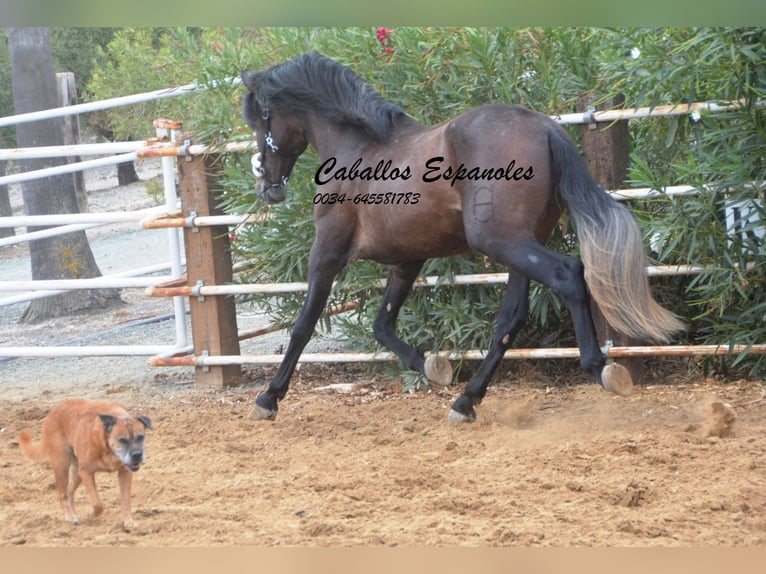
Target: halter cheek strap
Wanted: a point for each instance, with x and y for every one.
(257, 160)
(268, 139)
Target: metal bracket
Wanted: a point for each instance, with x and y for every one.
(190, 222)
(185, 150)
(588, 118)
(608, 344)
(196, 290)
(205, 353)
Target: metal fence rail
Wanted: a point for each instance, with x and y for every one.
(167, 147)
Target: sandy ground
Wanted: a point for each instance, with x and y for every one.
(551, 461)
(542, 466)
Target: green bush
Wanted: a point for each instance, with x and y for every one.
(435, 73)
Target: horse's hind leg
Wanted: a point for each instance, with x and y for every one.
(398, 286)
(565, 276)
(510, 320)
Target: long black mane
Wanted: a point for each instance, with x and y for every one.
(316, 84)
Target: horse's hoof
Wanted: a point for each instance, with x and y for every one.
(438, 370)
(260, 413)
(457, 418)
(616, 379)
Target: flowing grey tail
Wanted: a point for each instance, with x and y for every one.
(611, 248)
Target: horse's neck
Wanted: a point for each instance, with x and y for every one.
(331, 140)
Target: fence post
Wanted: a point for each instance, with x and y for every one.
(606, 149)
(67, 96)
(208, 260)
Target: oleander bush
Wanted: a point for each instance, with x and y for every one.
(435, 73)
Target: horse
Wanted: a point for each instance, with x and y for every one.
(495, 179)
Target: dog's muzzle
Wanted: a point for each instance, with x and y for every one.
(132, 460)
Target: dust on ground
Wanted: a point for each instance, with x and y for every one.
(374, 466)
(551, 460)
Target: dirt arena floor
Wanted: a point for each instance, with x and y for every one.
(681, 462)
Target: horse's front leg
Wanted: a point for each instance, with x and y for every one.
(322, 272)
(398, 286)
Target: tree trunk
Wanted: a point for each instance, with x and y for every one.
(126, 173)
(65, 256)
(5, 200)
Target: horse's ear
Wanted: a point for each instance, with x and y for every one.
(250, 79)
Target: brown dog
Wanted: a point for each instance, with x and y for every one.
(82, 437)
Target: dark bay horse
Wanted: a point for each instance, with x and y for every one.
(495, 179)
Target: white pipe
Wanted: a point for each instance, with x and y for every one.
(430, 281)
(647, 192)
(44, 233)
(92, 350)
(156, 268)
(67, 168)
(174, 235)
(474, 355)
(143, 148)
(200, 221)
(90, 283)
(71, 150)
(73, 218)
(647, 112)
(99, 105)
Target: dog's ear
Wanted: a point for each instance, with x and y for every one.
(146, 422)
(109, 422)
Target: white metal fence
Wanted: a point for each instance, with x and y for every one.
(167, 216)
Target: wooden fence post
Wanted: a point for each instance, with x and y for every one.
(67, 96)
(606, 149)
(208, 260)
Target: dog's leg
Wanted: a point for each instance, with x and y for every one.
(125, 478)
(89, 480)
(67, 480)
(72, 485)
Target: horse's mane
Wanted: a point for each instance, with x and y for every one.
(313, 83)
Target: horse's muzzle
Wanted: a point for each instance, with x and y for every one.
(272, 192)
(269, 192)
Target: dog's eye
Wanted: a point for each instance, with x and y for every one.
(139, 438)
(124, 440)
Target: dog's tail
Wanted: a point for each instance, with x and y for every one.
(33, 450)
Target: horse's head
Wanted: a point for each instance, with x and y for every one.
(281, 140)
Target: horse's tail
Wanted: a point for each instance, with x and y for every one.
(611, 248)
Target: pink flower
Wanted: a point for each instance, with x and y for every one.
(383, 34)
